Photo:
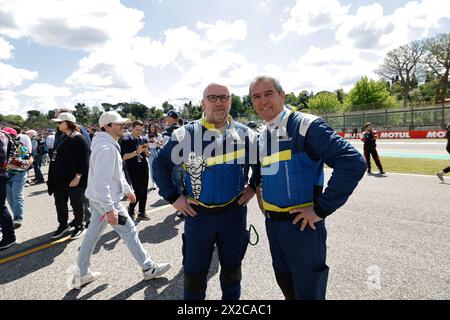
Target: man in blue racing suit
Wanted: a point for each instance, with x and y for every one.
(214, 152)
(293, 149)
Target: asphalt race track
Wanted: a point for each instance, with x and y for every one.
(390, 241)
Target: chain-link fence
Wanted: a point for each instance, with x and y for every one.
(415, 118)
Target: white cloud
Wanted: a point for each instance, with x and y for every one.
(74, 24)
(43, 96)
(225, 67)
(371, 29)
(223, 32)
(46, 90)
(12, 77)
(9, 102)
(117, 71)
(328, 69)
(111, 66)
(310, 16)
(5, 49)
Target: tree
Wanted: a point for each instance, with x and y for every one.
(303, 99)
(404, 63)
(324, 102)
(107, 107)
(136, 110)
(37, 120)
(94, 115)
(81, 113)
(237, 107)
(167, 107)
(368, 92)
(13, 119)
(291, 99)
(340, 95)
(437, 60)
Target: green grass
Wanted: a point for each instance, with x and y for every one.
(409, 165)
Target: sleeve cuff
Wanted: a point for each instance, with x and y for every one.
(172, 198)
(320, 211)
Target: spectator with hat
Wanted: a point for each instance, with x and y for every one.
(106, 187)
(67, 177)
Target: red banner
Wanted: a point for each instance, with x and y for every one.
(411, 134)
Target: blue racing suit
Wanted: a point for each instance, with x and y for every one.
(292, 157)
(214, 162)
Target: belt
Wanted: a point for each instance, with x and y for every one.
(279, 216)
(202, 209)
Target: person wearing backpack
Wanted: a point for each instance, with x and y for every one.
(19, 162)
(8, 234)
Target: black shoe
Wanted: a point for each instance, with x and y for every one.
(5, 244)
(382, 172)
(60, 232)
(369, 172)
(143, 216)
(76, 233)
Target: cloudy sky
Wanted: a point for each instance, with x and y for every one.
(61, 52)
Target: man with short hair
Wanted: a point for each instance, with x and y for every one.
(134, 150)
(171, 118)
(293, 149)
(214, 150)
(106, 187)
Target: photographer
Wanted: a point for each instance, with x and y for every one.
(135, 151)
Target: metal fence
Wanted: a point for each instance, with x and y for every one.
(416, 118)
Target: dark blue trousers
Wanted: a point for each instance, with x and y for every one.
(299, 259)
(5, 218)
(227, 230)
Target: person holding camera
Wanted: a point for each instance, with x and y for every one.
(135, 151)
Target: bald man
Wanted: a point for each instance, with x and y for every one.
(214, 152)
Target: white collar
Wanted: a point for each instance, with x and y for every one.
(272, 124)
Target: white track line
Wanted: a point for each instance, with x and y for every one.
(401, 174)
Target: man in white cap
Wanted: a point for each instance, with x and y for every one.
(106, 187)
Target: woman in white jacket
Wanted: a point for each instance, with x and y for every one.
(106, 187)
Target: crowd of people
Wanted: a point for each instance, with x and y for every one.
(205, 179)
(66, 150)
